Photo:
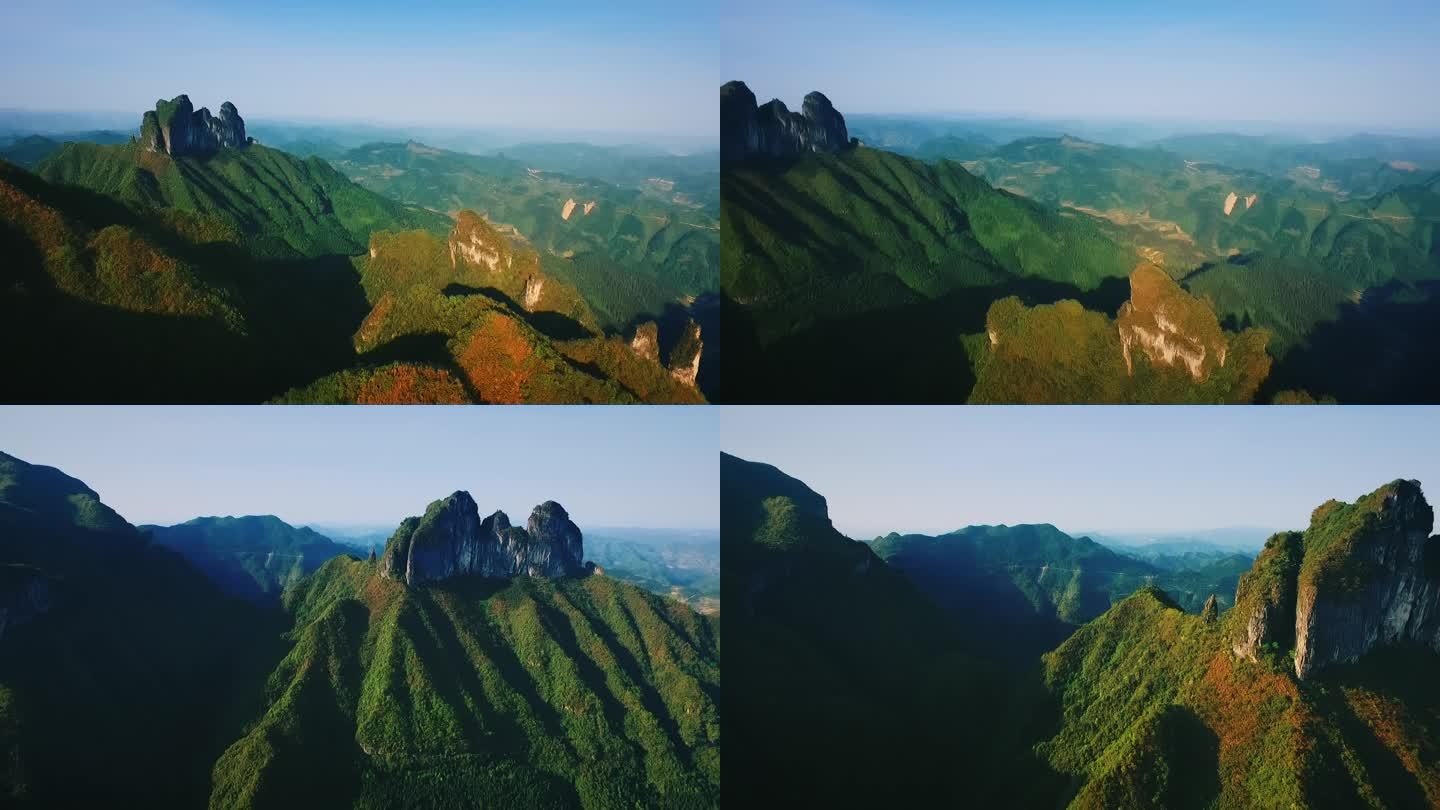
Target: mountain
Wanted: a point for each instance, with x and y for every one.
(632, 251)
(1034, 583)
(167, 269)
(128, 679)
(1288, 250)
(772, 131)
(1164, 346)
(676, 564)
(120, 664)
(254, 557)
(836, 654)
(281, 206)
(691, 177)
(571, 691)
(1314, 691)
(474, 317)
(451, 540)
(865, 265)
(147, 296)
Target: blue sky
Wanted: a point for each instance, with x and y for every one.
(1087, 468)
(608, 466)
(1368, 65)
(642, 66)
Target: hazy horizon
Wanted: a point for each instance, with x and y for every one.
(1120, 469)
(651, 467)
(1326, 64)
(645, 67)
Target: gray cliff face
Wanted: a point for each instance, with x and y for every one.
(451, 540)
(177, 128)
(1370, 585)
(1363, 575)
(772, 130)
(1265, 597)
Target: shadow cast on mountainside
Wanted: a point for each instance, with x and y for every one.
(82, 351)
(1380, 351)
(553, 325)
(911, 354)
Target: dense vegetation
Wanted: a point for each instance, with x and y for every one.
(631, 250)
(254, 557)
(282, 206)
(874, 252)
(475, 318)
(128, 679)
(867, 276)
(556, 693)
(1036, 584)
(1144, 705)
(120, 664)
(154, 292)
(838, 652)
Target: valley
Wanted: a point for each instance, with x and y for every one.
(198, 265)
(248, 663)
(1020, 666)
(889, 256)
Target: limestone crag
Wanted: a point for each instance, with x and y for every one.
(451, 540)
(175, 127)
(1265, 597)
(1170, 327)
(474, 240)
(772, 130)
(685, 357)
(1363, 575)
(1366, 580)
(646, 341)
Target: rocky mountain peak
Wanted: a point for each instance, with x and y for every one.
(1363, 575)
(451, 540)
(772, 130)
(476, 241)
(1172, 328)
(175, 127)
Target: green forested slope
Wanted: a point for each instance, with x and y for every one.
(254, 557)
(630, 251)
(835, 652)
(282, 206)
(540, 693)
(120, 664)
(853, 277)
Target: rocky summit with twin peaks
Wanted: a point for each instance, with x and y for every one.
(451, 540)
(771, 130)
(175, 127)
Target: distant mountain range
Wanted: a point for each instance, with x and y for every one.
(972, 269)
(156, 260)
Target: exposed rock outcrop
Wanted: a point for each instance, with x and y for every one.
(771, 130)
(1265, 597)
(1211, 611)
(685, 357)
(646, 341)
(1363, 575)
(177, 128)
(451, 540)
(1366, 579)
(476, 241)
(1171, 327)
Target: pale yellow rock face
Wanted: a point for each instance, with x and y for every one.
(567, 210)
(1230, 201)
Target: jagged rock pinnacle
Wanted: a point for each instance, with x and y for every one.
(175, 127)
